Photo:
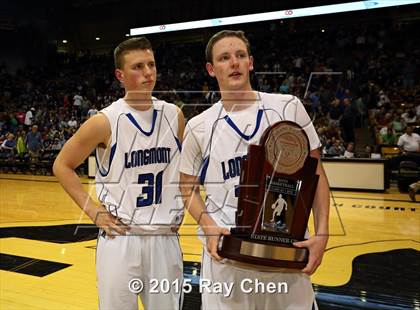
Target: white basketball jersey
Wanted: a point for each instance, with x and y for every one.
(137, 177)
(225, 144)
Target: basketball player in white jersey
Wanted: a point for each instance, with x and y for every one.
(137, 143)
(215, 142)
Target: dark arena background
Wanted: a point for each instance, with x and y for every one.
(357, 73)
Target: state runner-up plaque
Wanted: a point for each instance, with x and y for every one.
(277, 188)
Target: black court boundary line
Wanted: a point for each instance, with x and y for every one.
(32, 266)
(42, 181)
(381, 199)
(368, 242)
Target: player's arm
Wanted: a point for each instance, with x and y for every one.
(321, 207)
(94, 132)
(190, 190)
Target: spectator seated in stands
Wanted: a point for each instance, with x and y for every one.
(387, 136)
(367, 153)
(92, 111)
(409, 142)
(335, 148)
(57, 144)
(349, 152)
(370, 152)
(72, 123)
(8, 146)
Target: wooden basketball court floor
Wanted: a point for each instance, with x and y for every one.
(48, 250)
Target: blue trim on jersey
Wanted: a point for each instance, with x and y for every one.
(133, 120)
(178, 143)
(111, 157)
(239, 132)
(204, 169)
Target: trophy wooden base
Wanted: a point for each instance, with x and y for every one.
(249, 251)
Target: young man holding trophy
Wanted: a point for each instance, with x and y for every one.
(253, 221)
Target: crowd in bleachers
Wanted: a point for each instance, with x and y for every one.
(369, 78)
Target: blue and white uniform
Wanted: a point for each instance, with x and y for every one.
(215, 143)
(137, 180)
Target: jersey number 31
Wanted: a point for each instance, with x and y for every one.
(152, 189)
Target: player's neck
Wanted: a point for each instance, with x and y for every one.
(141, 101)
(238, 100)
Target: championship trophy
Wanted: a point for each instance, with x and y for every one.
(277, 187)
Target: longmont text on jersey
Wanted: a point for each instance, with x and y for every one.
(156, 155)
